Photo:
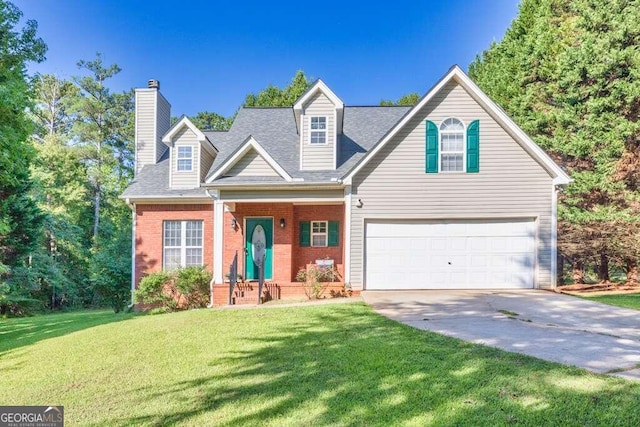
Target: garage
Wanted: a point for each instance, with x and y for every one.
(471, 254)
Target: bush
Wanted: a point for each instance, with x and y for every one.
(193, 284)
(314, 279)
(183, 288)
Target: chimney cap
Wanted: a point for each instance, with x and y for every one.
(153, 84)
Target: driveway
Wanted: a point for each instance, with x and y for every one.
(550, 326)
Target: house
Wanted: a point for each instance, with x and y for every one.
(449, 193)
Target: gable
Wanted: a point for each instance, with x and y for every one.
(457, 76)
(252, 164)
(502, 158)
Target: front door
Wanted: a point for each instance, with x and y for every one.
(258, 244)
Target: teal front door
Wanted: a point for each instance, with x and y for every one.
(258, 245)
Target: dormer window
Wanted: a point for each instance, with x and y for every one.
(185, 159)
(318, 130)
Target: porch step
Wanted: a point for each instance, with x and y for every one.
(247, 292)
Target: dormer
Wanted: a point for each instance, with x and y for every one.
(191, 154)
(318, 116)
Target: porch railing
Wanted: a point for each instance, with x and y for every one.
(233, 276)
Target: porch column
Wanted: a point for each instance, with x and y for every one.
(347, 235)
(218, 252)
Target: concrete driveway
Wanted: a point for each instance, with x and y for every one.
(550, 326)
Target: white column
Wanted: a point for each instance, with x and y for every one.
(347, 234)
(218, 226)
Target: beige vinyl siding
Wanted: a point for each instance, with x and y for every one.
(290, 195)
(318, 156)
(206, 161)
(145, 128)
(252, 164)
(185, 137)
(163, 116)
(510, 183)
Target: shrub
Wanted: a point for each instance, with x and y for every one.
(183, 288)
(193, 284)
(314, 279)
(151, 289)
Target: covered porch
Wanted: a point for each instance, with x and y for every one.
(291, 234)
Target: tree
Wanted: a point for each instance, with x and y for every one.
(207, 120)
(19, 216)
(103, 128)
(53, 96)
(566, 71)
(409, 99)
(272, 96)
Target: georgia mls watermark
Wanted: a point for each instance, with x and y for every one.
(31, 416)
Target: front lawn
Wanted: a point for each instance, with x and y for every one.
(621, 300)
(316, 365)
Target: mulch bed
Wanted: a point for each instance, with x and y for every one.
(605, 288)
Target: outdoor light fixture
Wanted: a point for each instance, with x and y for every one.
(359, 203)
(282, 223)
(233, 223)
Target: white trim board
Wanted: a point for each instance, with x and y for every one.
(249, 144)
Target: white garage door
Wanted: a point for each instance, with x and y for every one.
(450, 255)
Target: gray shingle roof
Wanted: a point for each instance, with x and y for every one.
(153, 181)
(275, 130)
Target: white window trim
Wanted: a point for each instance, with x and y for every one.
(325, 234)
(178, 158)
(464, 146)
(324, 131)
(183, 243)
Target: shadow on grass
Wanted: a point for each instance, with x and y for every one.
(19, 332)
(349, 366)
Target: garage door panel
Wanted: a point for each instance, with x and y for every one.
(450, 254)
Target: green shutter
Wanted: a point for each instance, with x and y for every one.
(334, 237)
(432, 148)
(473, 147)
(305, 233)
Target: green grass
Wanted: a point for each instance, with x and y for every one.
(317, 365)
(621, 300)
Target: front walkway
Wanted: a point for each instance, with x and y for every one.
(550, 326)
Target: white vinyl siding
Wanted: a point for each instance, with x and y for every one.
(163, 117)
(145, 128)
(206, 160)
(182, 244)
(185, 179)
(252, 164)
(510, 183)
(318, 156)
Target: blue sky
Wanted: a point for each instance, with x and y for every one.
(208, 54)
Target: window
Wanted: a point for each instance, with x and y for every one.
(319, 233)
(452, 146)
(182, 244)
(185, 159)
(318, 130)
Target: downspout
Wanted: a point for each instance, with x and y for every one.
(210, 305)
(554, 236)
(134, 216)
